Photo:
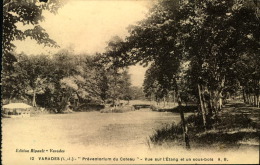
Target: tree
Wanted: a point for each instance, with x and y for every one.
(158, 82)
(96, 77)
(137, 93)
(22, 12)
(67, 77)
(118, 77)
(211, 36)
(72, 87)
(14, 81)
(26, 12)
(155, 40)
(248, 76)
(124, 86)
(37, 68)
(214, 24)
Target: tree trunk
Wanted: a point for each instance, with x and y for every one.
(244, 95)
(220, 100)
(214, 102)
(207, 104)
(34, 98)
(254, 97)
(257, 90)
(210, 104)
(251, 99)
(248, 98)
(220, 103)
(174, 101)
(257, 101)
(202, 107)
(184, 127)
(164, 101)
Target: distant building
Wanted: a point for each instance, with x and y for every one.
(15, 110)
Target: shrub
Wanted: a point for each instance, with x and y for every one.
(169, 132)
(121, 109)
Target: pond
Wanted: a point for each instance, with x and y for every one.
(88, 128)
(94, 135)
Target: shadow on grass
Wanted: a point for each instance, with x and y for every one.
(227, 131)
(228, 138)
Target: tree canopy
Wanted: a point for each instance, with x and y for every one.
(214, 38)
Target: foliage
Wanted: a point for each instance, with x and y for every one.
(168, 133)
(118, 77)
(120, 109)
(18, 13)
(65, 80)
(210, 37)
(137, 93)
(28, 15)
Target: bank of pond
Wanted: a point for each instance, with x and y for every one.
(14, 110)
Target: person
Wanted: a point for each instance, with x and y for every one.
(68, 107)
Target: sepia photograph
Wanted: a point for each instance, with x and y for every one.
(130, 82)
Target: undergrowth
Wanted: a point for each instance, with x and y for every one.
(227, 130)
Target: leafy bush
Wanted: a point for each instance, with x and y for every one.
(89, 107)
(169, 132)
(121, 109)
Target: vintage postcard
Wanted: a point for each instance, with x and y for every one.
(130, 82)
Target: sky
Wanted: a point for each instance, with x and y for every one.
(87, 26)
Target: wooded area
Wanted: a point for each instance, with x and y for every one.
(203, 51)
(53, 81)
